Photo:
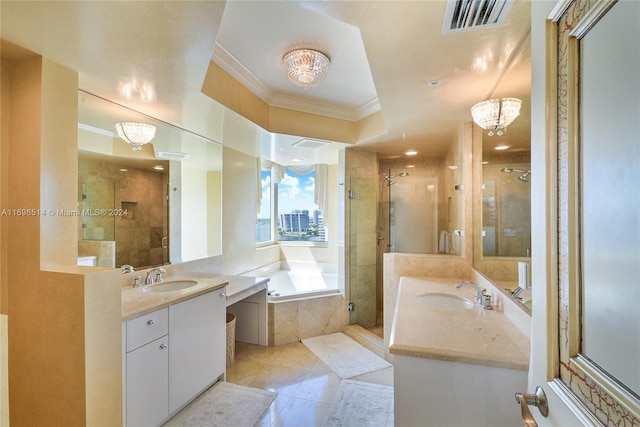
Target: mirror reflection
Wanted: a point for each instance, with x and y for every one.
(124, 210)
(506, 205)
(133, 212)
(502, 191)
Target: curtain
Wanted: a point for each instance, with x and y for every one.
(321, 197)
(277, 174)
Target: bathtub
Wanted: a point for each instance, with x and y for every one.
(304, 300)
(291, 284)
(293, 280)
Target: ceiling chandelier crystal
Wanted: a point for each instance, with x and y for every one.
(495, 115)
(136, 134)
(306, 67)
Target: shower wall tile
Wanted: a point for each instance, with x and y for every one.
(365, 214)
(366, 248)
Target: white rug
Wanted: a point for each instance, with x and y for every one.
(344, 356)
(225, 405)
(359, 404)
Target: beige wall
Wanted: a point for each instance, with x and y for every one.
(56, 371)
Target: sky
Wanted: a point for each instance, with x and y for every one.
(296, 192)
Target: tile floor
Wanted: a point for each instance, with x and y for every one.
(305, 386)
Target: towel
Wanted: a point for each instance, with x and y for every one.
(443, 246)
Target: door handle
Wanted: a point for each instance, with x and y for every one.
(539, 400)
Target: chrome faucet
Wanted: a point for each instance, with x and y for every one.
(481, 296)
(154, 275)
(126, 268)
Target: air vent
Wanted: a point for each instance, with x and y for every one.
(465, 15)
(310, 143)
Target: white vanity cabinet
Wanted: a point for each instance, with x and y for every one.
(197, 355)
(171, 356)
(146, 372)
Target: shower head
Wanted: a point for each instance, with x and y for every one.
(525, 174)
(390, 182)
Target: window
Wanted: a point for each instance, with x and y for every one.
(299, 218)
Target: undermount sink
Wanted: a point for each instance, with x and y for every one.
(445, 301)
(169, 286)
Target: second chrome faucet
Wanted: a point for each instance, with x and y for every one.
(481, 296)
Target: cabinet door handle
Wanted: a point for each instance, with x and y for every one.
(163, 346)
(151, 322)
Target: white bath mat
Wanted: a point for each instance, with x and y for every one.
(225, 404)
(344, 356)
(359, 404)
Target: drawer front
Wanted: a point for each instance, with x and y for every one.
(147, 328)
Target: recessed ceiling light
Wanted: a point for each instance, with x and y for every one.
(502, 147)
(410, 152)
(296, 160)
(433, 83)
(124, 170)
(159, 167)
(453, 167)
(410, 166)
(485, 163)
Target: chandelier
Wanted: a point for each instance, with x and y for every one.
(136, 134)
(306, 67)
(495, 115)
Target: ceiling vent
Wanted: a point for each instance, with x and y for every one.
(465, 15)
(310, 143)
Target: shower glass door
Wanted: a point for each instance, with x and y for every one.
(413, 213)
(364, 295)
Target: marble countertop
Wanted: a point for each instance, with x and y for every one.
(474, 336)
(136, 302)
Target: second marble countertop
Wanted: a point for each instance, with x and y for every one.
(474, 336)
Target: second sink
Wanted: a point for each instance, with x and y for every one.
(445, 301)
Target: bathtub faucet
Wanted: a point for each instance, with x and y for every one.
(481, 296)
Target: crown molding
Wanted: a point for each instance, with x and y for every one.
(238, 71)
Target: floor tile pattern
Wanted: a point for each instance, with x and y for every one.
(305, 386)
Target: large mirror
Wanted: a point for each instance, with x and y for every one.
(157, 205)
(502, 191)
